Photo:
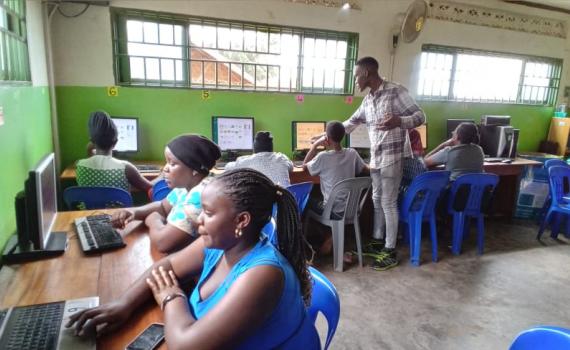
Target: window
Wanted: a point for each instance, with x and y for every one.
(456, 74)
(154, 49)
(14, 63)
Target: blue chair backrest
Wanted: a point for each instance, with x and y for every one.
(301, 191)
(324, 299)
(554, 162)
(160, 190)
(556, 176)
(478, 184)
(270, 231)
(85, 197)
(542, 338)
(424, 191)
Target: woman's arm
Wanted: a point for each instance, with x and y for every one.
(249, 302)
(439, 147)
(105, 318)
(122, 217)
(165, 237)
(136, 179)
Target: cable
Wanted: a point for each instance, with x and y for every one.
(75, 15)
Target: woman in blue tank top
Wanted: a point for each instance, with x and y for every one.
(249, 294)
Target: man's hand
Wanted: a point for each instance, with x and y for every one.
(390, 122)
(317, 137)
(322, 141)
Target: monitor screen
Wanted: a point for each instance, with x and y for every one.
(233, 133)
(422, 129)
(359, 138)
(41, 197)
(128, 138)
(495, 120)
(304, 131)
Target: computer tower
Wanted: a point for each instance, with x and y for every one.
(512, 149)
(495, 120)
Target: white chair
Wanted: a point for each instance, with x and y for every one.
(355, 189)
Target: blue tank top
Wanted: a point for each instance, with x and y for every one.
(289, 314)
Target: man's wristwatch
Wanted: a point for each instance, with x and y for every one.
(171, 297)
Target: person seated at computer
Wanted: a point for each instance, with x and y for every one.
(250, 295)
(101, 168)
(413, 165)
(274, 165)
(334, 165)
(461, 154)
(189, 159)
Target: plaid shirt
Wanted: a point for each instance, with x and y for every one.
(387, 147)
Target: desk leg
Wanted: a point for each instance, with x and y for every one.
(505, 197)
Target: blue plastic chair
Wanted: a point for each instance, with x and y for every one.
(270, 230)
(555, 228)
(556, 176)
(301, 191)
(160, 190)
(85, 198)
(478, 184)
(324, 299)
(542, 338)
(418, 206)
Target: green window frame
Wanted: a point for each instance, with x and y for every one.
(468, 75)
(14, 59)
(169, 50)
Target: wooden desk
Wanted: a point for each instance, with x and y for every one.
(74, 275)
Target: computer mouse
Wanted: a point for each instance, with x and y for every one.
(507, 161)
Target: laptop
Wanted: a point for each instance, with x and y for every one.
(42, 326)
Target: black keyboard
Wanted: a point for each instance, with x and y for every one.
(96, 234)
(34, 327)
(147, 168)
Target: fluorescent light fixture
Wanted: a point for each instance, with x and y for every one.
(346, 6)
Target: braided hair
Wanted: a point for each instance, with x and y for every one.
(255, 193)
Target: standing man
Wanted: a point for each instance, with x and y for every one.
(388, 111)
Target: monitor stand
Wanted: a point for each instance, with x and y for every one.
(14, 253)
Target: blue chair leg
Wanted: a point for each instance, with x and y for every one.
(555, 226)
(416, 238)
(480, 234)
(458, 226)
(543, 224)
(433, 233)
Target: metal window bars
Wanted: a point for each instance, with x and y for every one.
(14, 60)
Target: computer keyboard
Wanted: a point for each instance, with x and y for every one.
(34, 327)
(96, 234)
(147, 168)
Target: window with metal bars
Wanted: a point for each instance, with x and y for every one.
(14, 60)
(457, 74)
(156, 49)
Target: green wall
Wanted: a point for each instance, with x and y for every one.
(165, 113)
(25, 137)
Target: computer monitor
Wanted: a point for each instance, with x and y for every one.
(453, 123)
(36, 210)
(422, 129)
(359, 138)
(499, 140)
(303, 132)
(495, 120)
(233, 133)
(128, 134)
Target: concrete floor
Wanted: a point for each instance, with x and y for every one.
(461, 302)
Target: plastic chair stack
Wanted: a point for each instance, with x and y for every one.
(418, 206)
(86, 198)
(472, 190)
(556, 176)
(354, 189)
(542, 338)
(324, 299)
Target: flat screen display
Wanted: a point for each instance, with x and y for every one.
(359, 138)
(46, 196)
(128, 138)
(233, 133)
(304, 131)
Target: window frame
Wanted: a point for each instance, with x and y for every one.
(17, 65)
(553, 88)
(121, 58)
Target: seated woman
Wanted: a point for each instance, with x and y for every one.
(461, 154)
(189, 159)
(249, 296)
(101, 168)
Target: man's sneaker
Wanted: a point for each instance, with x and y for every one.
(373, 247)
(385, 260)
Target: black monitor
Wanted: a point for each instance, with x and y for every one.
(453, 123)
(233, 134)
(302, 133)
(128, 134)
(359, 138)
(36, 210)
(499, 140)
(495, 120)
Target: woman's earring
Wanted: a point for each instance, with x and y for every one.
(238, 232)
(194, 173)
